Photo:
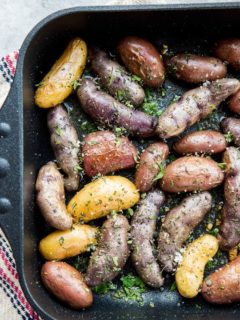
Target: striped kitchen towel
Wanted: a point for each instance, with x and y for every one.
(13, 304)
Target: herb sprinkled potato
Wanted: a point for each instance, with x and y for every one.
(57, 85)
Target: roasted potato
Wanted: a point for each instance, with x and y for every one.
(143, 60)
(234, 103)
(67, 284)
(191, 174)
(51, 197)
(195, 68)
(149, 165)
(60, 245)
(143, 227)
(104, 152)
(230, 226)
(115, 78)
(229, 50)
(101, 197)
(189, 275)
(177, 226)
(206, 141)
(194, 105)
(105, 109)
(231, 127)
(223, 285)
(112, 251)
(65, 144)
(56, 86)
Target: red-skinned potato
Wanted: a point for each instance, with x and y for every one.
(104, 152)
(234, 103)
(149, 165)
(142, 59)
(223, 285)
(194, 68)
(67, 284)
(206, 141)
(229, 50)
(191, 174)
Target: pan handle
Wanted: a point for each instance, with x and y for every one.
(11, 170)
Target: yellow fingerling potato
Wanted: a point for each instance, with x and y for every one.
(60, 245)
(57, 85)
(189, 275)
(101, 197)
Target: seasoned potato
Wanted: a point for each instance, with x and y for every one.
(191, 174)
(189, 275)
(104, 109)
(116, 78)
(104, 152)
(101, 197)
(229, 50)
(56, 86)
(234, 103)
(194, 105)
(231, 127)
(149, 165)
(60, 245)
(67, 284)
(143, 60)
(206, 141)
(51, 197)
(230, 224)
(223, 285)
(112, 252)
(177, 226)
(194, 69)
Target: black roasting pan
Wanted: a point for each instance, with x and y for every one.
(24, 140)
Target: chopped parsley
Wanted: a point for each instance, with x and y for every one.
(151, 108)
(58, 131)
(160, 173)
(222, 165)
(228, 137)
(104, 288)
(173, 286)
(75, 84)
(136, 78)
(61, 241)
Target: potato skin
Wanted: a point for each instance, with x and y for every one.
(56, 86)
(115, 78)
(104, 152)
(191, 174)
(189, 275)
(206, 141)
(67, 284)
(223, 286)
(112, 251)
(150, 160)
(194, 105)
(234, 103)
(60, 245)
(103, 108)
(230, 226)
(143, 227)
(229, 50)
(177, 226)
(66, 145)
(195, 69)
(142, 59)
(232, 125)
(100, 197)
(51, 197)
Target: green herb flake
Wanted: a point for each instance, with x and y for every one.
(222, 165)
(104, 288)
(229, 137)
(58, 131)
(160, 173)
(214, 231)
(173, 287)
(151, 108)
(136, 78)
(75, 84)
(61, 241)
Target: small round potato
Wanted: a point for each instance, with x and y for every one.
(223, 285)
(143, 60)
(195, 69)
(191, 174)
(229, 50)
(60, 245)
(57, 85)
(100, 197)
(67, 284)
(189, 275)
(234, 103)
(206, 141)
